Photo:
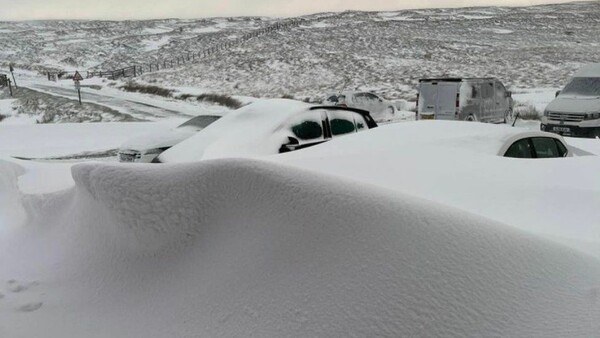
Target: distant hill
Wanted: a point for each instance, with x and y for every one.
(383, 51)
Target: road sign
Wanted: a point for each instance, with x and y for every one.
(12, 69)
(77, 77)
(77, 85)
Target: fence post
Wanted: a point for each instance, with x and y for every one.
(134, 74)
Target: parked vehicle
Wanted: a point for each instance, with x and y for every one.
(535, 144)
(576, 109)
(375, 104)
(468, 99)
(147, 147)
(269, 127)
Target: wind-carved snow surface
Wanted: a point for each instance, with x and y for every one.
(243, 248)
(11, 212)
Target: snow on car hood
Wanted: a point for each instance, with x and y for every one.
(572, 104)
(163, 139)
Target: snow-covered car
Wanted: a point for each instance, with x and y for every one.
(375, 104)
(576, 109)
(147, 147)
(268, 127)
(534, 144)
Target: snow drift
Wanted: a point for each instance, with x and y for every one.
(456, 164)
(232, 248)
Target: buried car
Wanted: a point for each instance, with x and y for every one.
(147, 147)
(268, 127)
(376, 105)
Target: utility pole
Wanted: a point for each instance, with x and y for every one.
(10, 88)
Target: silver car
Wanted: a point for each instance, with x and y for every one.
(374, 104)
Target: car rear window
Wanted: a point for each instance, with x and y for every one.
(519, 149)
(201, 121)
(546, 147)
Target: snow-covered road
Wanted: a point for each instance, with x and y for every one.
(140, 110)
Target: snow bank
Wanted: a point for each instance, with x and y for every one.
(52, 140)
(456, 164)
(11, 210)
(232, 248)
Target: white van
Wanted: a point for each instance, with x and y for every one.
(576, 109)
(469, 99)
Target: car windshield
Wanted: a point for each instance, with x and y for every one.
(583, 86)
(201, 121)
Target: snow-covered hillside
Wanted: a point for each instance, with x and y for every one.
(387, 52)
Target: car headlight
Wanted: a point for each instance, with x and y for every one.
(546, 113)
(592, 116)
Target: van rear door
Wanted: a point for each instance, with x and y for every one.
(438, 98)
(427, 99)
(447, 100)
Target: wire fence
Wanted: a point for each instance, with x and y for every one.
(184, 58)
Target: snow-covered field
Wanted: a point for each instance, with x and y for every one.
(403, 235)
(415, 228)
(526, 47)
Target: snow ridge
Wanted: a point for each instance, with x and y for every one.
(239, 248)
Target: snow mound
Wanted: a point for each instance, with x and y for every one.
(242, 248)
(11, 212)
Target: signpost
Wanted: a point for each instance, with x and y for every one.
(77, 78)
(12, 69)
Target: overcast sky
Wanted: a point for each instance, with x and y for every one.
(149, 9)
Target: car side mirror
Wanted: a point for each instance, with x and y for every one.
(557, 93)
(508, 94)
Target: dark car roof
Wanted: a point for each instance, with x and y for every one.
(370, 122)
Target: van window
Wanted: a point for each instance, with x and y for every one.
(583, 86)
(474, 92)
(520, 149)
(500, 92)
(487, 90)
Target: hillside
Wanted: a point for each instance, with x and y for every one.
(387, 52)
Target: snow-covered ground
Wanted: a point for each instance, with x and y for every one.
(414, 228)
(356, 244)
(397, 231)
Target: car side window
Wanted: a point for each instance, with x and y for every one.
(359, 98)
(371, 97)
(546, 147)
(308, 127)
(341, 122)
(520, 149)
(562, 150)
(360, 122)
